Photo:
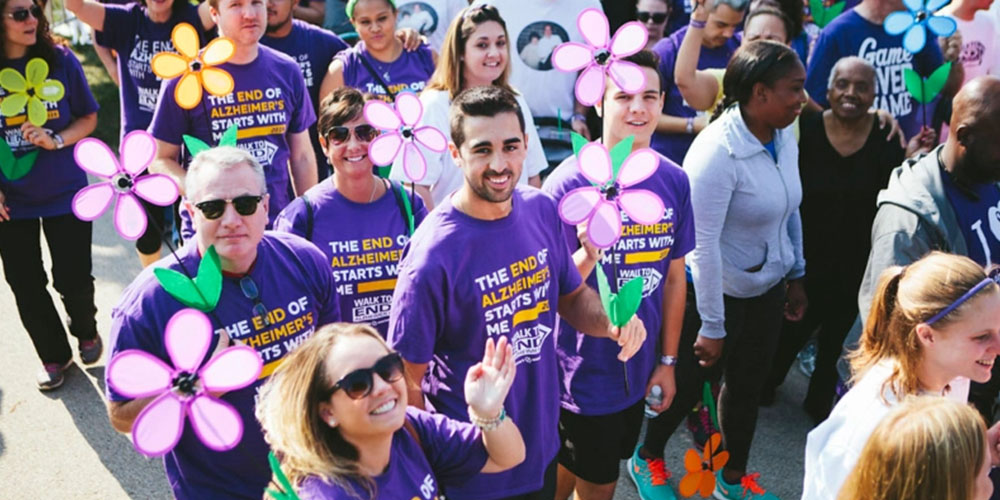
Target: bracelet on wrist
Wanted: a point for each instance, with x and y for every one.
(487, 424)
(694, 23)
(689, 126)
(578, 116)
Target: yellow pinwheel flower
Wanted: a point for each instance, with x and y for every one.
(197, 69)
(30, 90)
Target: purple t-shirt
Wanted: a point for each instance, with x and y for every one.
(463, 280)
(129, 31)
(313, 49)
(49, 187)
(299, 293)
(266, 110)
(675, 146)
(408, 73)
(592, 380)
(364, 253)
(449, 452)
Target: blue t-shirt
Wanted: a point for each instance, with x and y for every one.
(591, 381)
(978, 218)
(769, 146)
(675, 146)
(130, 32)
(852, 35)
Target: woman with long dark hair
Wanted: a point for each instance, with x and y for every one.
(36, 191)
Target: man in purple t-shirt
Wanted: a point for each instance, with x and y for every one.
(599, 421)
(270, 105)
(489, 262)
(276, 290)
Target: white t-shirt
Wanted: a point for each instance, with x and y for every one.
(443, 175)
(980, 45)
(430, 18)
(536, 28)
(833, 448)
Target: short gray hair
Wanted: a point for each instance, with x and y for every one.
(223, 158)
(847, 60)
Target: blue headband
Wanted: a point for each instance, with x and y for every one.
(954, 305)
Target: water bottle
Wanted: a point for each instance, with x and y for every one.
(654, 399)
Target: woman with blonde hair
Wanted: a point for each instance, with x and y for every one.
(335, 414)
(933, 326)
(476, 52)
(927, 448)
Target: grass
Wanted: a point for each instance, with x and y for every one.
(106, 93)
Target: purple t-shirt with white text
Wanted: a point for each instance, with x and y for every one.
(129, 31)
(449, 452)
(266, 110)
(463, 280)
(48, 189)
(362, 242)
(675, 146)
(408, 73)
(592, 380)
(299, 294)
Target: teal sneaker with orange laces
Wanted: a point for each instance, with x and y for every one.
(650, 477)
(748, 489)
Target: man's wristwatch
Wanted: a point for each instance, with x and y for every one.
(58, 140)
(668, 360)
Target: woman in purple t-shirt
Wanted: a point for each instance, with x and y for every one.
(335, 413)
(379, 63)
(36, 193)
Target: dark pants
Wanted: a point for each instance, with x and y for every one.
(752, 329)
(548, 491)
(69, 244)
(833, 314)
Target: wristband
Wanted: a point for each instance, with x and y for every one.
(58, 140)
(690, 125)
(694, 23)
(668, 360)
(487, 424)
(578, 116)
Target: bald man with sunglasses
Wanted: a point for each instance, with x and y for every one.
(276, 290)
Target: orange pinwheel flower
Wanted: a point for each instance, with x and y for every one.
(197, 69)
(700, 475)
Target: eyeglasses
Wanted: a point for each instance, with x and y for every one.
(340, 135)
(657, 17)
(244, 205)
(21, 15)
(249, 288)
(358, 383)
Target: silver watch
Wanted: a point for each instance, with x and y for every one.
(58, 140)
(667, 360)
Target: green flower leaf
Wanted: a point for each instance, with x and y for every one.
(204, 291)
(408, 208)
(621, 306)
(194, 145)
(619, 152)
(709, 401)
(924, 90)
(229, 136)
(279, 475)
(15, 168)
(822, 15)
(579, 142)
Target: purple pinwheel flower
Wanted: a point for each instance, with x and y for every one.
(400, 123)
(184, 389)
(600, 205)
(602, 57)
(123, 182)
(919, 14)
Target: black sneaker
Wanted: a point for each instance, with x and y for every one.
(52, 375)
(90, 350)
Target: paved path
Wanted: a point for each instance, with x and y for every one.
(60, 445)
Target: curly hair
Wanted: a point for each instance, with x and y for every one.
(45, 43)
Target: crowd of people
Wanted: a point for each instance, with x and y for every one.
(451, 335)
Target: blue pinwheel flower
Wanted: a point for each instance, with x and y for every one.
(920, 14)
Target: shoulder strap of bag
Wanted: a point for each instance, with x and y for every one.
(378, 78)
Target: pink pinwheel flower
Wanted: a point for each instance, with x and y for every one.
(600, 205)
(399, 124)
(602, 57)
(184, 389)
(137, 152)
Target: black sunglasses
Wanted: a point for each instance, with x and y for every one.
(657, 17)
(21, 15)
(358, 383)
(249, 288)
(244, 205)
(340, 135)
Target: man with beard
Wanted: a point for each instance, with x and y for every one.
(945, 200)
(491, 261)
(312, 48)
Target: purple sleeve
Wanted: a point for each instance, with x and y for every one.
(81, 100)
(454, 449)
(119, 26)
(169, 120)
(293, 219)
(417, 316)
(127, 332)
(825, 55)
(684, 235)
(303, 114)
